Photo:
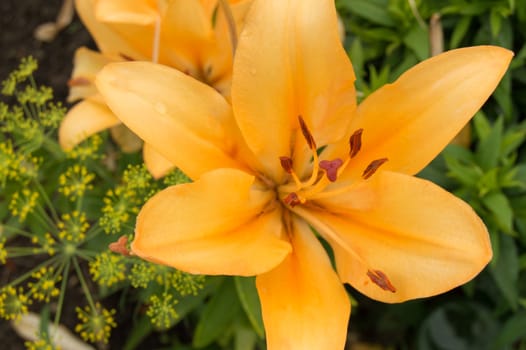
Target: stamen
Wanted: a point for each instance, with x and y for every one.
(355, 142)
(232, 31)
(306, 134)
(119, 247)
(327, 232)
(292, 199)
(126, 57)
(286, 163)
(331, 168)
(157, 35)
(371, 168)
(78, 81)
(380, 279)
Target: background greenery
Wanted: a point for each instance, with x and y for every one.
(143, 306)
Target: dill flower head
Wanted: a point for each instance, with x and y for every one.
(137, 178)
(46, 243)
(3, 251)
(118, 209)
(176, 177)
(89, 149)
(26, 68)
(73, 227)
(36, 95)
(13, 303)
(108, 269)
(53, 115)
(9, 162)
(186, 283)
(22, 203)
(95, 324)
(75, 181)
(44, 343)
(142, 273)
(44, 287)
(162, 311)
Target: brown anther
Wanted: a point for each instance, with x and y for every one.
(331, 168)
(126, 57)
(119, 247)
(355, 142)
(306, 133)
(286, 164)
(78, 81)
(372, 167)
(380, 279)
(292, 199)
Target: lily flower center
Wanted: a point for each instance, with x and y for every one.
(324, 172)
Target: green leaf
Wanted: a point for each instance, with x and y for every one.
(418, 41)
(505, 270)
(244, 338)
(495, 21)
(217, 315)
(489, 182)
(502, 95)
(513, 330)
(482, 125)
(466, 174)
(460, 325)
(139, 331)
(374, 11)
(499, 205)
(488, 149)
(459, 32)
(513, 139)
(248, 295)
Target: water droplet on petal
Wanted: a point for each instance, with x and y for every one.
(160, 107)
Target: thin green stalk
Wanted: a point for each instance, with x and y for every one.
(62, 294)
(18, 231)
(231, 24)
(41, 215)
(48, 202)
(51, 145)
(93, 232)
(83, 284)
(28, 273)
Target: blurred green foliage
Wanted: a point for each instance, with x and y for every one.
(385, 38)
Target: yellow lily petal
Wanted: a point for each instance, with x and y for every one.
(189, 123)
(186, 32)
(187, 21)
(86, 65)
(425, 240)
(109, 41)
(156, 164)
(303, 302)
(412, 120)
(83, 120)
(127, 11)
(281, 72)
(213, 226)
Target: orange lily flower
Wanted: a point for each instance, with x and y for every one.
(180, 34)
(294, 156)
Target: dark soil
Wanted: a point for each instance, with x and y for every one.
(18, 20)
